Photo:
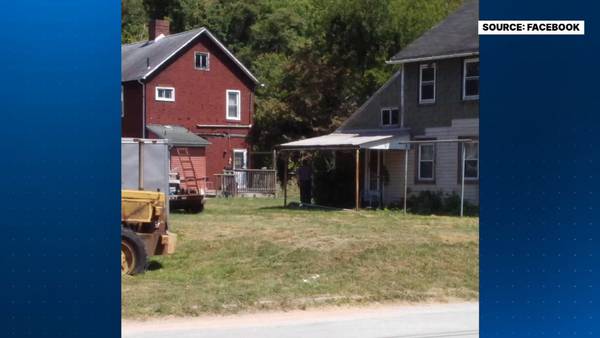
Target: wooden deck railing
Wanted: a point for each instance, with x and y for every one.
(247, 181)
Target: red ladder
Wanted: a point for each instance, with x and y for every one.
(187, 170)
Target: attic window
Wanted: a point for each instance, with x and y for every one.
(390, 117)
(427, 83)
(202, 61)
(165, 94)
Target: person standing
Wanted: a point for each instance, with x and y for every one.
(305, 182)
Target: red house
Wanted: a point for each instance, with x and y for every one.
(189, 86)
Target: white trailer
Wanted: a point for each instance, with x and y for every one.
(145, 165)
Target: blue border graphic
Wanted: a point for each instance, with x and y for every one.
(539, 165)
(60, 170)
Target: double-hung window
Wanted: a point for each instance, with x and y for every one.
(233, 105)
(471, 79)
(201, 61)
(165, 94)
(426, 159)
(390, 117)
(427, 83)
(471, 161)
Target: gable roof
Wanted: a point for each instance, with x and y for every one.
(355, 117)
(135, 56)
(177, 135)
(455, 36)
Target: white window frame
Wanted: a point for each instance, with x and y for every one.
(245, 152)
(432, 178)
(157, 98)
(464, 160)
(464, 80)
(239, 105)
(421, 68)
(389, 112)
(207, 61)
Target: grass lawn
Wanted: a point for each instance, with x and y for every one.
(251, 254)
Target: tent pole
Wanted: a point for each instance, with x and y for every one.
(405, 177)
(462, 182)
(357, 180)
(285, 178)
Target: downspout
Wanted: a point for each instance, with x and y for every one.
(143, 108)
(402, 125)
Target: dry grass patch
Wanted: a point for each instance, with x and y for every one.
(251, 254)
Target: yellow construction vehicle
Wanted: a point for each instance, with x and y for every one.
(144, 204)
(144, 230)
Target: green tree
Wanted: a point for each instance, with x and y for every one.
(133, 21)
(318, 60)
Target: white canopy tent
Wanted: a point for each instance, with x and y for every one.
(394, 139)
(352, 140)
(349, 140)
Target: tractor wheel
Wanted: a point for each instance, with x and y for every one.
(133, 253)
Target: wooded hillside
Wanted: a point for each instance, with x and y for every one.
(318, 59)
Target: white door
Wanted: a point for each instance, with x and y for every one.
(240, 161)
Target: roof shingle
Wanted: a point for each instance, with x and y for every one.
(457, 34)
(177, 136)
(140, 59)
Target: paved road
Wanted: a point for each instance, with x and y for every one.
(406, 321)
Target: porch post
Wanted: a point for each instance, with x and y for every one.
(285, 178)
(405, 176)
(462, 182)
(275, 173)
(379, 180)
(357, 180)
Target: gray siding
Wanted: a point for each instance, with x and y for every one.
(449, 104)
(368, 116)
(393, 192)
(447, 165)
(450, 117)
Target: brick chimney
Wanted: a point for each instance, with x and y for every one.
(157, 27)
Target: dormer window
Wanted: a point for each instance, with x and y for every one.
(165, 94)
(427, 83)
(202, 61)
(471, 79)
(390, 117)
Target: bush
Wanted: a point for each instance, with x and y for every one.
(452, 204)
(437, 202)
(425, 203)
